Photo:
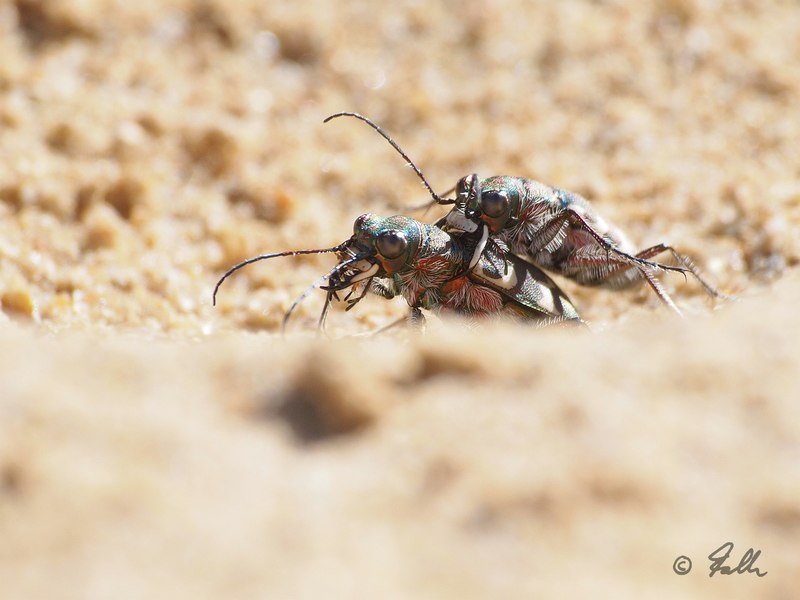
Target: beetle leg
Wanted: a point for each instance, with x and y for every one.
(548, 321)
(299, 299)
(324, 314)
(660, 291)
(550, 235)
(359, 298)
(621, 274)
(554, 226)
(377, 287)
(688, 264)
(383, 289)
(599, 270)
(416, 320)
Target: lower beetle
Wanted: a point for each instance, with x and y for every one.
(433, 270)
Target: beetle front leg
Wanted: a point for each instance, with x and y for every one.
(377, 287)
(383, 288)
(351, 302)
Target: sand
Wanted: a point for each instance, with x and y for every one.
(153, 446)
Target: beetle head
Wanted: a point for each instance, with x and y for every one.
(394, 240)
(495, 200)
(382, 246)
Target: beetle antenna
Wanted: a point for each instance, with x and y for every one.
(244, 263)
(437, 198)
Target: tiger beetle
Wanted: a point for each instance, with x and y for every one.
(554, 229)
(433, 270)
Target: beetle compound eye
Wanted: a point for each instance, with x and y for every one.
(494, 203)
(391, 244)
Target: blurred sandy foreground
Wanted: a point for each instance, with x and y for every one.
(154, 447)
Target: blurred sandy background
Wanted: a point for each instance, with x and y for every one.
(154, 447)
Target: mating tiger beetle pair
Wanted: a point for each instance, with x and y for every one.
(485, 256)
